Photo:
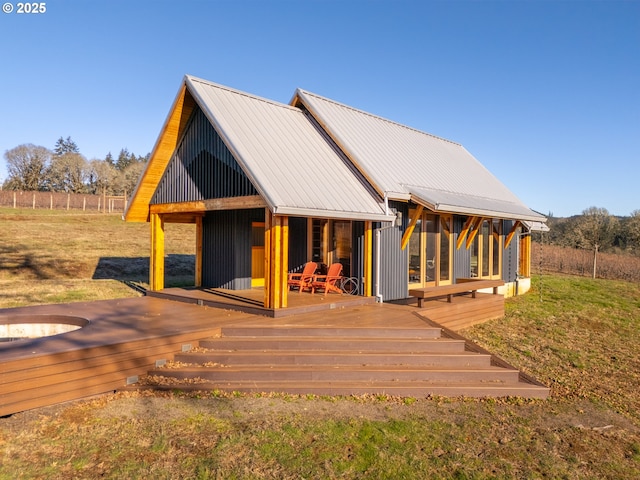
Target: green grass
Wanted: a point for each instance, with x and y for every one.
(578, 336)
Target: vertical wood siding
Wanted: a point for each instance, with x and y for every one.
(201, 168)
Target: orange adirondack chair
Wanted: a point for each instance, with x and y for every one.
(328, 282)
(303, 280)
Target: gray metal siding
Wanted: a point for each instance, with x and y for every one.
(297, 243)
(510, 255)
(201, 167)
(462, 255)
(357, 253)
(226, 254)
(394, 266)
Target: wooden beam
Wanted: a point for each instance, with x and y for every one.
(276, 239)
(230, 203)
(464, 232)
(412, 225)
(474, 232)
(156, 260)
(368, 259)
(510, 235)
(199, 240)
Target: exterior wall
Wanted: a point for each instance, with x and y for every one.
(462, 255)
(297, 243)
(226, 257)
(394, 262)
(201, 168)
(510, 255)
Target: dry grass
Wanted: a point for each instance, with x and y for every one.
(579, 336)
(52, 256)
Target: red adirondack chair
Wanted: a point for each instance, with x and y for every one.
(328, 282)
(303, 280)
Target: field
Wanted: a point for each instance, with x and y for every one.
(577, 335)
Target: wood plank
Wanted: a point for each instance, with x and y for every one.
(229, 203)
(412, 225)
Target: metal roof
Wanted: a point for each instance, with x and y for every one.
(406, 164)
(289, 160)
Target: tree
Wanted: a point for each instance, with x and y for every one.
(594, 229)
(103, 177)
(27, 166)
(65, 146)
(632, 231)
(68, 173)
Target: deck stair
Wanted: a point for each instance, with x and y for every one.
(411, 362)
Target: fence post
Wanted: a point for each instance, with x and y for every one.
(14, 199)
(34, 200)
(84, 203)
(68, 200)
(51, 202)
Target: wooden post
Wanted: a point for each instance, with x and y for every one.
(51, 202)
(198, 272)
(368, 259)
(34, 200)
(68, 200)
(84, 203)
(14, 199)
(276, 239)
(156, 260)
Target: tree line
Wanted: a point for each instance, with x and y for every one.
(64, 169)
(598, 231)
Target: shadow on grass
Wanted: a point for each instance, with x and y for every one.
(179, 269)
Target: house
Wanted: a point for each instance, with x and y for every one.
(271, 186)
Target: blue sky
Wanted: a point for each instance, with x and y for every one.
(546, 94)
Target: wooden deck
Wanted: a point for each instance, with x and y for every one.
(127, 338)
(252, 300)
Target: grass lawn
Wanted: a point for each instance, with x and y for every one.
(577, 335)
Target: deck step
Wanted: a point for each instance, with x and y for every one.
(326, 373)
(354, 344)
(414, 362)
(399, 389)
(334, 332)
(303, 357)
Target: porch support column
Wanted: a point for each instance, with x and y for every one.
(276, 249)
(198, 272)
(156, 266)
(368, 259)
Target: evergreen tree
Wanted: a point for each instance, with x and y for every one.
(65, 146)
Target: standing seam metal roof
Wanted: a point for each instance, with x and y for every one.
(405, 163)
(291, 163)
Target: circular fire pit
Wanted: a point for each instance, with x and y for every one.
(18, 327)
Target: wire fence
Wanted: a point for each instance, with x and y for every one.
(63, 201)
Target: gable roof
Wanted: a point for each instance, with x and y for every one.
(406, 164)
(291, 163)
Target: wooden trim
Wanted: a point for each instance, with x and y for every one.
(230, 203)
(156, 265)
(138, 209)
(525, 256)
(509, 237)
(464, 232)
(199, 256)
(412, 225)
(368, 259)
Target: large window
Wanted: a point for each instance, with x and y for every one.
(486, 249)
(430, 250)
(330, 242)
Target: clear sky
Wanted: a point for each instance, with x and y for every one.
(546, 94)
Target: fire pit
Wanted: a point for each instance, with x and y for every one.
(19, 327)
